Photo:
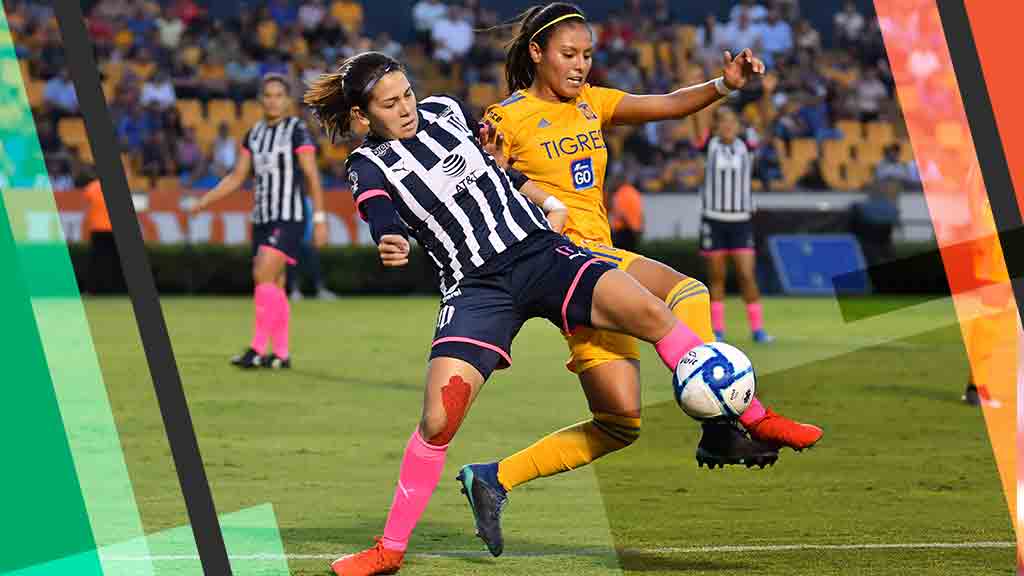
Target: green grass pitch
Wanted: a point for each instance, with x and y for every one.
(902, 461)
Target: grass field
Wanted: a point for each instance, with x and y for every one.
(902, 462)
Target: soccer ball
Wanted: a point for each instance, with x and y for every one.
(712, 380)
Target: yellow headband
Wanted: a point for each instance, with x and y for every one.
(556, 21)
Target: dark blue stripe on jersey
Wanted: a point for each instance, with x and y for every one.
(490, 192)
(421, 153)
(443, 137)
(433, 107)
(283, 185)
(390, 157)
(469, 205)
(445, 219)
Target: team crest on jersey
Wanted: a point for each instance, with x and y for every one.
(587, 112)
(353, 180)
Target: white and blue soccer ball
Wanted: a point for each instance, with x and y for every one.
(713, 380)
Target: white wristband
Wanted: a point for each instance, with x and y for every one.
(721, 87)
(319, 217)
(551, 204)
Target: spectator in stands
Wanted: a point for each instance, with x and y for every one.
(789, 124)
(807, 37)
(385, 44)
(452, 35)
(626, 212)
(742, 33)
(871, 93)
(170, 28)
(157, 156)
(311, 13)
(188, 158)
(425, 14)
(754, 11)
(625, 74)
(59, 96)
(224, 152)
(776, 37)
(891, 168)
(60, 170)
(710, 41)
(243, 78)
(849, 23)
(873, 220)
(158, 91)
(616, 36)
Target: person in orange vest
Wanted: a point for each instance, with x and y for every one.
(626, 213)
(104, 272)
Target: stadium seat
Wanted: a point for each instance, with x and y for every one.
(85, 153)
(266, 31)
(852, 130)
(906, 151)
(803, 149)
(880, 132)
(144, 70)
(349, 14)
(836, 151)
(167, 183)
(666, 56)
(221, 110)
(35, 89)
(686, 36)
(645, 57)
(868, 152)
(206, 133)
(252, 112)
(71, 131)
(191, 111)
(483, 95)
(191, 56)
(26, 73)
(113, 70)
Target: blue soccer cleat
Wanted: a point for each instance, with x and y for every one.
(762, 337)
(487, 497)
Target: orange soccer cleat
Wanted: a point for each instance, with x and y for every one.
(777, 429)
(376, 560)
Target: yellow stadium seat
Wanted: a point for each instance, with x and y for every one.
(143, 69)
(906, 151)
(71, 131)
(666, 55)
(851, 129)
(206, 133)
(221, 110)
(881, 132)
(645, 56)
(836, 151)
(803, 149)
(85, 153)
(687, 37)
(26, 74)
(483, 95)
(252, 112)
(349, 14)
(868, 152)
(35, 89)
(191, 111)
(113, 70)
(192, 55)
(167, 183)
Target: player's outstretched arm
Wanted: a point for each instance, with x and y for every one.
(554, 209)
(227, 184)
(637, 109)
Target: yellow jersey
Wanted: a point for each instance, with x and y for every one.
(560, 147)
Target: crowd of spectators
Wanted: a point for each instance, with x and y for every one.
(823, 117)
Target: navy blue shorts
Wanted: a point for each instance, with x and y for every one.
(285, 237)
(544, 276)
(718, 237)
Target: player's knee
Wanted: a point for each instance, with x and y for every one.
(432, 425)
(622, 430)
(654, 314)
(438, 426)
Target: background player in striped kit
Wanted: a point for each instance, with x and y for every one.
(726, 230)
(282, 156)
(421, 172)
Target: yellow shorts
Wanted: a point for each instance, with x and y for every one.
(589, 347)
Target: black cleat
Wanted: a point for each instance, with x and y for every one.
(487, 499)
(274, 362)
(971, 395)
(248, 359)
(723, 442)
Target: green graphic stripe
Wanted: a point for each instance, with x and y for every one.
(65, 361)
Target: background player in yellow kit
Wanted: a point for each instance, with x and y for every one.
(550, 127)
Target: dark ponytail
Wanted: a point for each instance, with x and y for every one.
(535, 25)
(332, 96)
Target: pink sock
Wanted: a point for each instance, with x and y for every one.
(420, 473)
(279, 327)
(266, 306)
(755, 315)
(753, 414)
(676, 344)
(718, 316)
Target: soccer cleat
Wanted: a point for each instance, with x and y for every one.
(274, 362)
(325, 294)
(971, 396)
(779, 431)
(376, 560)
(296, 295)
(762, 337)
(719, 336)
(487, 498)
(248, 359)
(724, 443)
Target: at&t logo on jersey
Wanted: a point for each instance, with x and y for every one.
(582, 172)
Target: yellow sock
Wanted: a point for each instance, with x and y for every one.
(569, 448)
(690, 301)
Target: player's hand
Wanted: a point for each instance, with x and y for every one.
(394, 250)
(737, 71)
(494, 144)
(320, 234)
(557, 220)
